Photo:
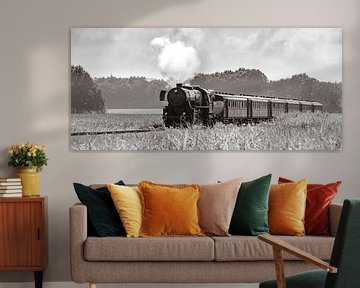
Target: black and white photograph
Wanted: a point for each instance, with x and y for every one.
(237, 89)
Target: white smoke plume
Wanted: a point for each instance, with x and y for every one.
(176, 60)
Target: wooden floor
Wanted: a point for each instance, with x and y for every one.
(74, 285)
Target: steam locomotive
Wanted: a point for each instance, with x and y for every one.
(190, 104)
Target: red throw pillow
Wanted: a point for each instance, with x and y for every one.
(319, 197)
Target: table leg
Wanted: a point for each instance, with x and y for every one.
(38, 279)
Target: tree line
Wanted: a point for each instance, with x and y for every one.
(99, 94)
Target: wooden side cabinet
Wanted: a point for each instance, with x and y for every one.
(23, 235)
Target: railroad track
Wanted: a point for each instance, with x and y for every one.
(117, 131)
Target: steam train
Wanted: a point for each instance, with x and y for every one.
(190, 104)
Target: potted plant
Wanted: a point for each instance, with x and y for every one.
(30, 158)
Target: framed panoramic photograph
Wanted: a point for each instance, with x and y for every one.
(238, 89)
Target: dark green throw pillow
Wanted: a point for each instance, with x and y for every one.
(103, 218)
(250, 216)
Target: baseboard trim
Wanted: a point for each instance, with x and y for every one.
(74, 285)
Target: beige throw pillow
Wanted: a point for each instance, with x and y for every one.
(216, 206)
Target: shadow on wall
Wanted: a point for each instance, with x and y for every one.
(37, 78)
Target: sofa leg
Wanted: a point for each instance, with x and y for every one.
(92, 285)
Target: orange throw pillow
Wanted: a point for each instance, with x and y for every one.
(318, 201)
(169, 210)
(287, 204)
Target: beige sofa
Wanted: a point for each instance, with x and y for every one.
(234, 259)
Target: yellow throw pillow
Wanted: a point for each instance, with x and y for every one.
(287, 204)
(127, 201)
(169, 210)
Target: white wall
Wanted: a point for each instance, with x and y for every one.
(34, 104)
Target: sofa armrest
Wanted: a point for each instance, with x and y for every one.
(334, 217)
(78, 235)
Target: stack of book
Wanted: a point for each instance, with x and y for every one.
(10, 187)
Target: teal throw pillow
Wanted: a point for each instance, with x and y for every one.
(250, 216)
(103, 219)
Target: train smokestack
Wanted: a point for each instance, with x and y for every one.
(178, 85)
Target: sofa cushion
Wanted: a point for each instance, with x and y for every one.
(149, 249)
(243, 248)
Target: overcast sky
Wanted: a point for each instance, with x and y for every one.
(180, 53)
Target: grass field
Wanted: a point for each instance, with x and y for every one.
(301, 131)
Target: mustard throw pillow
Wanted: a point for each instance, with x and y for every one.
(169, 210)
(287, 204)
(127, 201)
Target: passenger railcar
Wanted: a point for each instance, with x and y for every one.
(188, 104)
